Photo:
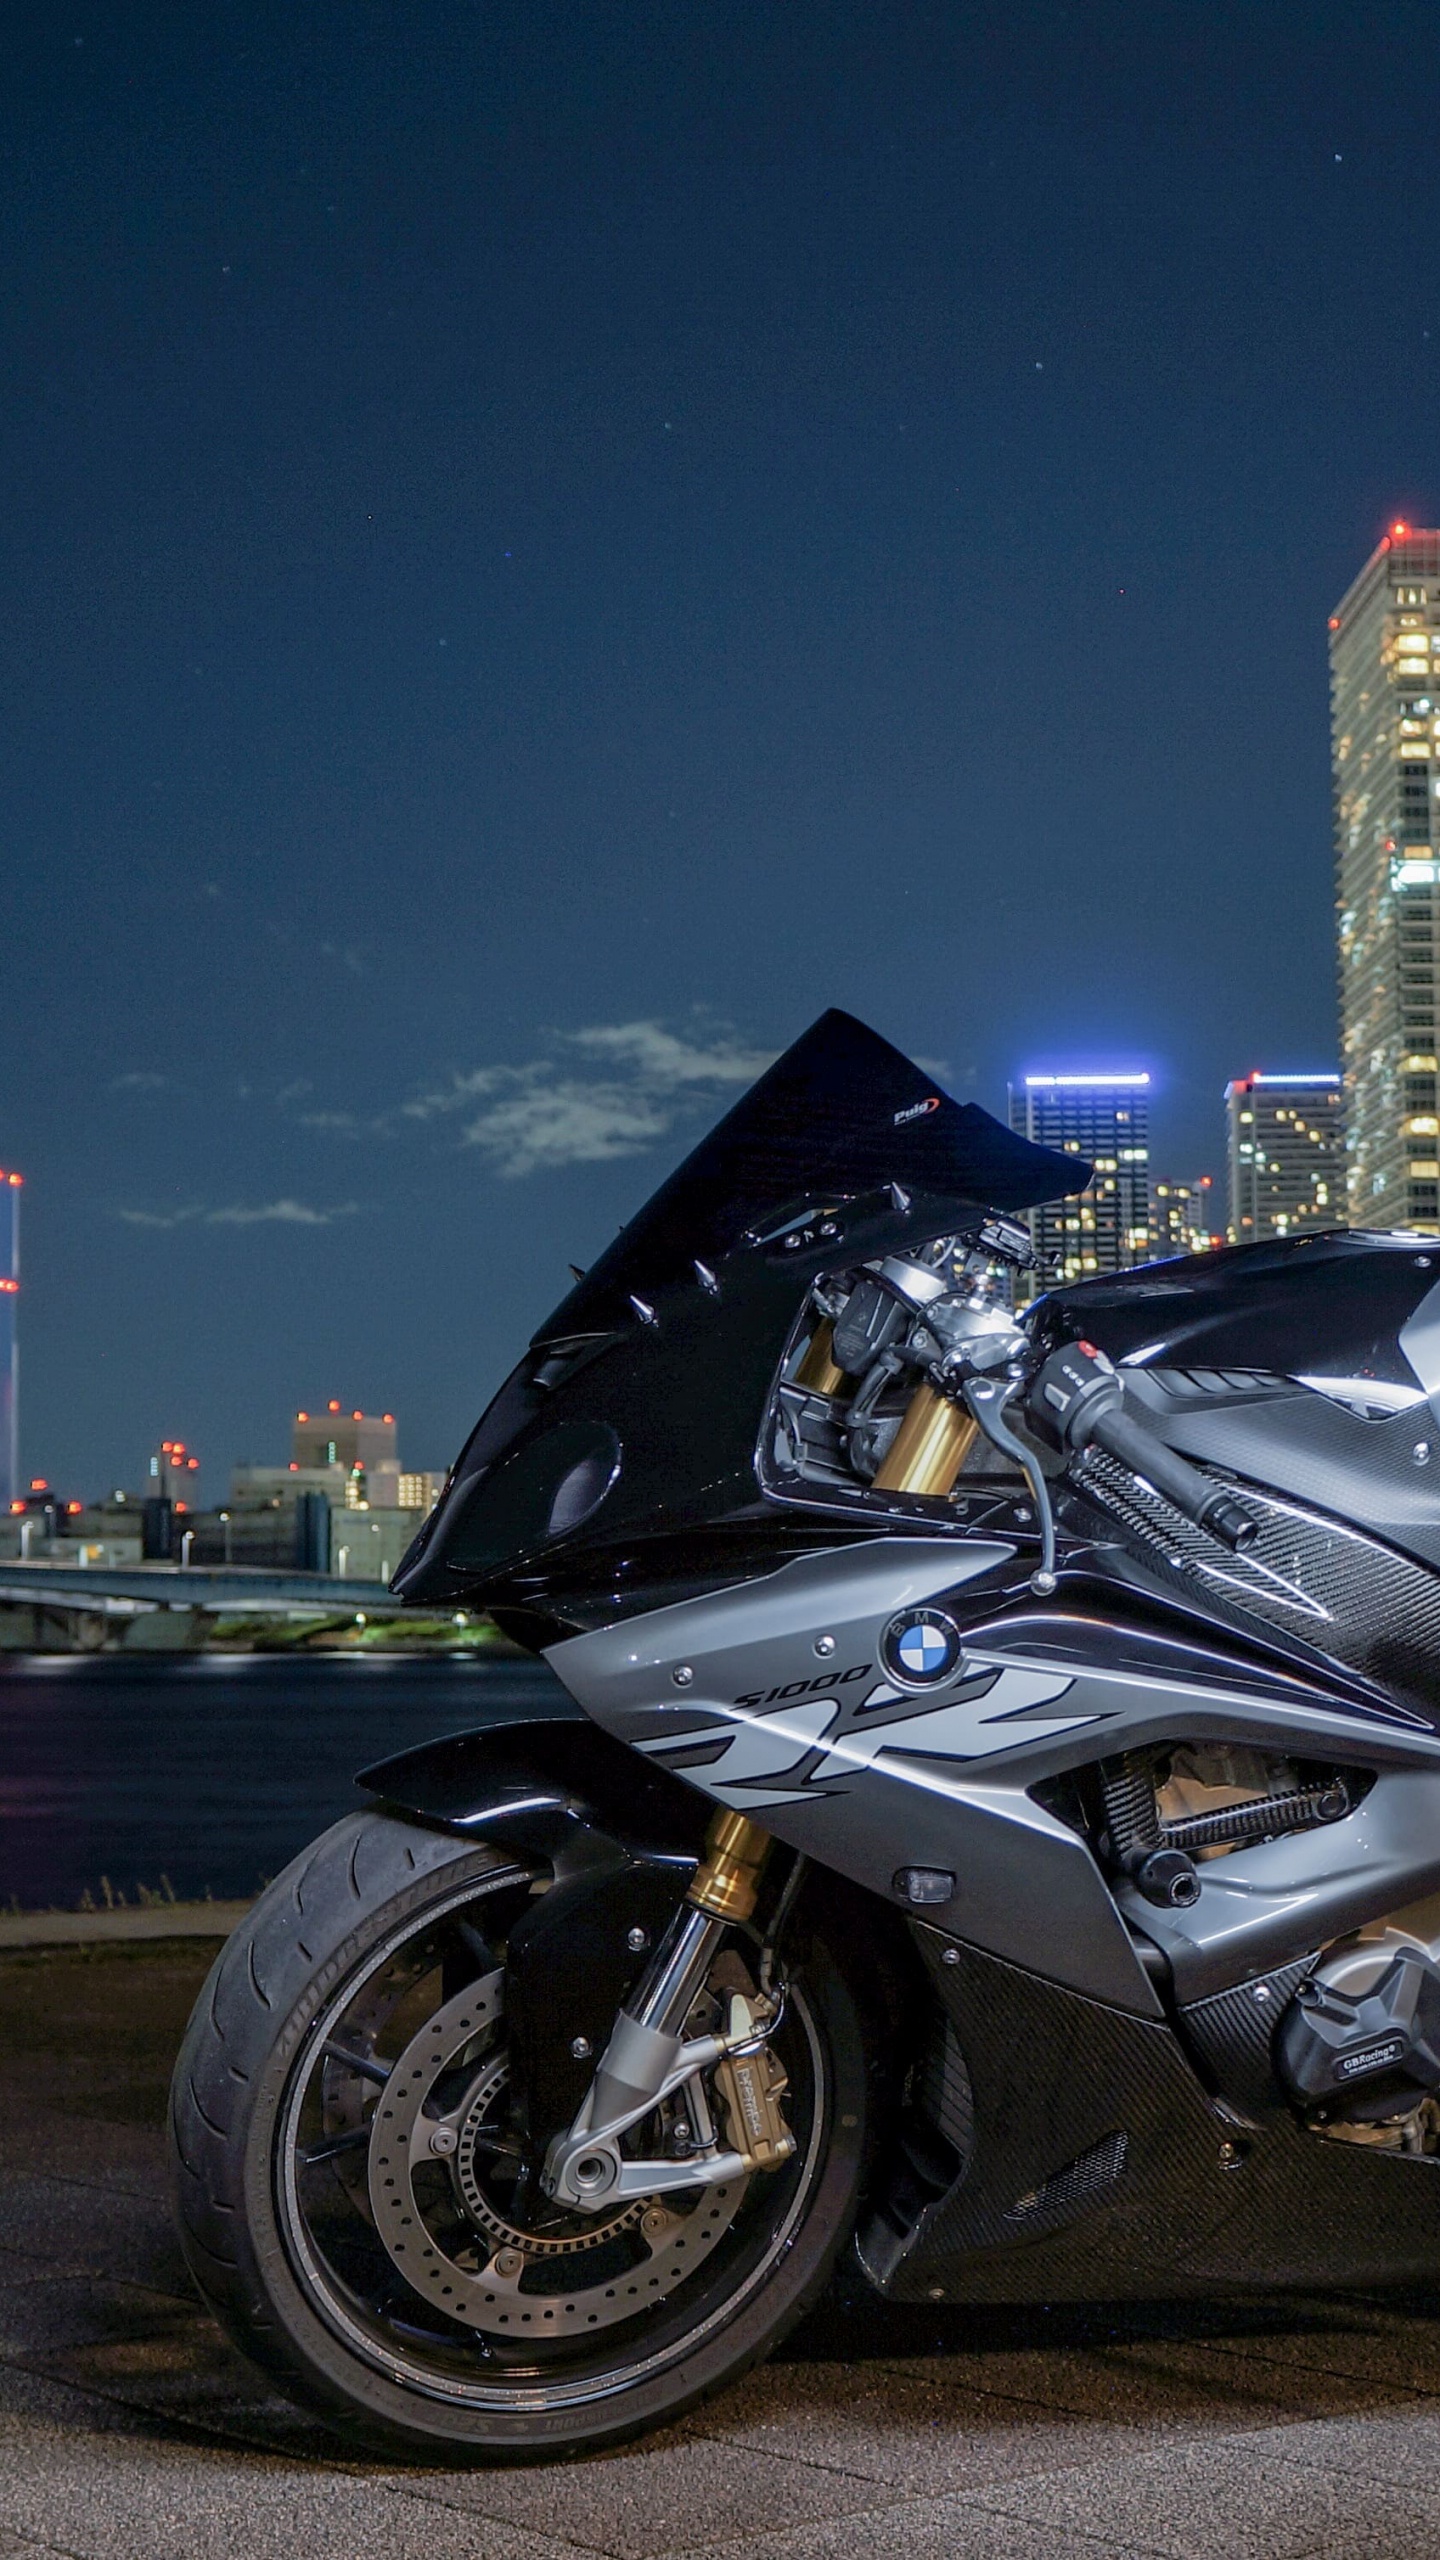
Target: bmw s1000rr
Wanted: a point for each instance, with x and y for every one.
(995, 1822)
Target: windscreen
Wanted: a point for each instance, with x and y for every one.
(634, 1416)
(841, 1110)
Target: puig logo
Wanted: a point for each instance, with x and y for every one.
(915, 1111)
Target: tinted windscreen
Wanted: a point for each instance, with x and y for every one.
(841, 1109)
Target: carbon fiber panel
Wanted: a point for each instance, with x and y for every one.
(1234, 2032)
(1309, 1577)
(1188, 2210)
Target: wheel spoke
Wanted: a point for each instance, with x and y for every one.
(354, 2140)
(363, 2064)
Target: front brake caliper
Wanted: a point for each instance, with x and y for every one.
(752, 2081)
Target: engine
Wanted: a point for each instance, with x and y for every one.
(1358, 2048)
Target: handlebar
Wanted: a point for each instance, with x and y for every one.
(1081, 1398)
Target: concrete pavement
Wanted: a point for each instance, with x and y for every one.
(128, 2430)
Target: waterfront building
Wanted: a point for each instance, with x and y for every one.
(362, 1444)
(1285, 1154)
(1385, 720)
(173, 1470)
(1181, 1215)
(10, 1486)
(1105, 1119)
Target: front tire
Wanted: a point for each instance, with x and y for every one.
(384, 1940)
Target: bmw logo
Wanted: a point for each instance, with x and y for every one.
(921, 1647)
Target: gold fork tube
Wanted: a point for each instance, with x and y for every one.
(817, 1372)
(727, 1879)
(930, 1447)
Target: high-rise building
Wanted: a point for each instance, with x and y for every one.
(10, 1185)
(1181, 1215)
(1385, 718)
(1104, 1118)
(1285, 1148)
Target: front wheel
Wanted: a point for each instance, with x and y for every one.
(358, 2211)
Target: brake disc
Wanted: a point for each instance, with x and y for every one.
(528, 2280)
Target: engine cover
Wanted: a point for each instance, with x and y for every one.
(1363, 2056)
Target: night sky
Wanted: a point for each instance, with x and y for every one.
(544, 545)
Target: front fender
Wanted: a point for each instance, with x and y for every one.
(552, 1789)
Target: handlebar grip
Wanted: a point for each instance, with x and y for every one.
(1078, 1397)
(1145, 1454)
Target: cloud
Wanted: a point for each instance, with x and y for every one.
(284, 1213)
(610, 1089)
(567, 1122)
(138, 1082)
(662, 1057)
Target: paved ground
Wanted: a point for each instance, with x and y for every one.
(127, 2429)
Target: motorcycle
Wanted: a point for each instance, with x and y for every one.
(989, 1819)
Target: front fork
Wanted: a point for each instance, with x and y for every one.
(648, 2056)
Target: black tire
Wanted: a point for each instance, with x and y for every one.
(376, 1892)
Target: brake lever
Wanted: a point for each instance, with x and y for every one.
(987, 1401)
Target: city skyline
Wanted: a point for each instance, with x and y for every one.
(541, 553)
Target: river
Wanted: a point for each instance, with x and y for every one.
(205, 1773)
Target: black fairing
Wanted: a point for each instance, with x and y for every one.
(1329, 1303)
(635, 1412)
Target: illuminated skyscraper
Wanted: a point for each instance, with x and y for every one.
(1104, 1118)
(1286, 1156)
(1385, 717)
(9, 1348)
(1181, 1215)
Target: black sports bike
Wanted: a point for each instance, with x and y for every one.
(992, 1811)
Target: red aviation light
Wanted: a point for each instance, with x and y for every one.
(357, 1415)
(73, 1507)
(387, 1417)
(1399, 531)
(332, 1406)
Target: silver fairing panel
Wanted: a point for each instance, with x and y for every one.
(774, 1698)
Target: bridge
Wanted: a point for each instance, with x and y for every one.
(225, 1590)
